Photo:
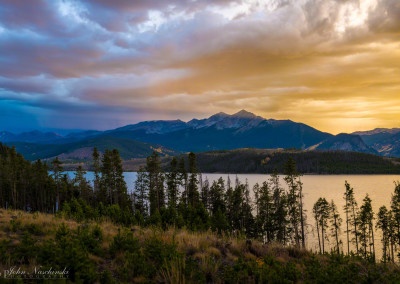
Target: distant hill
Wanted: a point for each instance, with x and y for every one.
(30, 137)
(308, 162)
(267, 160)
(344, 142)
(82, 150)
(385, 141)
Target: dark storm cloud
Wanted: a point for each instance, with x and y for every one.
(120, 61)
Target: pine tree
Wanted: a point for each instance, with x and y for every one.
(383, 223)
(230, 204)
(279, 207)
(336, 222)
(366, 217)
(321, 212)
(57, 171)
(183, 177)
(265, 215)
(395, 206)
(96, 169)
(107, 183)
(242, 217)
(84, 188)
(155, 180)
(392, 235)
(217, 192)
(205, 194)
(120, 189)
(172, 178)
(302, 216)
(193, 192)
(141, 193)
(351, 210)
(294, 213)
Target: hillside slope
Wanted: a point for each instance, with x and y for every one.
(385, 141)
(344, 142)
(82, 150)
(106, 253)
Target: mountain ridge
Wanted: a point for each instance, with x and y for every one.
(223, 131)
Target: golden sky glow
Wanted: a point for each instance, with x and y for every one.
(334, 65)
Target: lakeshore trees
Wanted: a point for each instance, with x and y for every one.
(180, 197)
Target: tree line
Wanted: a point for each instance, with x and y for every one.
(180, 197)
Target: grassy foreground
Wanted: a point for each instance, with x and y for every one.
(107, 253)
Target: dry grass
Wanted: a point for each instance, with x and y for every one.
(202, 246)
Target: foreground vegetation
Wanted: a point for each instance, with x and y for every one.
(178, 203)
(107, 253)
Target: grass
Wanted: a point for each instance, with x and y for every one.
(179, 256)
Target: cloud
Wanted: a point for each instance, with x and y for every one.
(124, 61)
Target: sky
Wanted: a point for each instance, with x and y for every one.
(98, 64)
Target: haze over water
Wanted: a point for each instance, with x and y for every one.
(379, 187)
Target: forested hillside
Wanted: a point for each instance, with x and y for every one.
(266, 161)
(308, 162)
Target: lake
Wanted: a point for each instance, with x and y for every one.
(379, 188)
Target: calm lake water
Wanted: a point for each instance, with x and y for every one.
(379, 188)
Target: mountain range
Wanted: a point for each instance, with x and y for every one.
(220, 131)
(385, 141)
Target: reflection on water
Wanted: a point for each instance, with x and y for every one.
(379, 188)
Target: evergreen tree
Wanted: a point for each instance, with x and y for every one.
(141, 193)
(279, 207)
(294, 213)
(173, 183)
(217, 192)
(107, 183)
(351, 211)
(84, 189)
(336, 222)
(155, 180)
(265, 215)
(302, 215)
(395, 206)
(230, 204)
(57, 171)
(383, 223)
(366, 217)
(120, 189)
(183, 177)
(192, 190)
(205, 194)
(113, 189)
(392, 235)
(96, 169)
(321, 212)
